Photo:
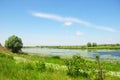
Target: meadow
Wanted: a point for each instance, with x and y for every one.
(50, 67)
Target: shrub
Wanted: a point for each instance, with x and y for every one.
(56, 57)
(100, 71)
(40, 66)
(14, 43)
(76, 66)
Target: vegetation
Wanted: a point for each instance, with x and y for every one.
(89, 44)
(78, 47)
(39, 67)
(14, 43)
(0, 44)
(2, 49)
(100, 73)
(94, 44)
(77, 66)
(52, 67)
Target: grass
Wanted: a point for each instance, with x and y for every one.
(10, 69)
(79, 47)
(38, 67)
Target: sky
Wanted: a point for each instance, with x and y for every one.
(60, 22)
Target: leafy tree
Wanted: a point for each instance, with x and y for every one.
(14, 43)
(89, 44)
(117, 44)
(94, 44)
(0, 44)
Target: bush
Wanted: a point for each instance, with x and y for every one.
(56, 57)
(76, 66)
(40, 66)
(14, 43)
(100, 71)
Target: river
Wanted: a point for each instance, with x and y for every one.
(109, 54)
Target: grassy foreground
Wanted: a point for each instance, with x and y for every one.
(40, 67)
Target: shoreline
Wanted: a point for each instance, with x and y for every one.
(78, 47)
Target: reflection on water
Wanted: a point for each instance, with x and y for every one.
(85, 53)
(108, 54)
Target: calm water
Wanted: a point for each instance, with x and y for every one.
(110, 54)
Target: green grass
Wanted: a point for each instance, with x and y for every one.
(10, 70)
(27, 67)
(79, 47)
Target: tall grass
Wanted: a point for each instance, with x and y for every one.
(35, 68)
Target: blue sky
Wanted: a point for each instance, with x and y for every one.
(60, 22)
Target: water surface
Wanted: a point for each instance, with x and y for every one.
(110, 54)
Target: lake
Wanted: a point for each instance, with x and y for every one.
(109, 54)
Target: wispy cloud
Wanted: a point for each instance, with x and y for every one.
(105, 28)
(68, 21)
(78, 33)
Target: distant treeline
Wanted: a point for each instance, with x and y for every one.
(88, 46)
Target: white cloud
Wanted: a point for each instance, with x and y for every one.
(105, 28)
(78, 33)
(68, 21)
(48, 16)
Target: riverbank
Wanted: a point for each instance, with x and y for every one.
(44, 67)
(76, 47)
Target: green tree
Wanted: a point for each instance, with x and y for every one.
(94, 44)
(117, 44)
(14, 43)
(89, 44)
(0, 44)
